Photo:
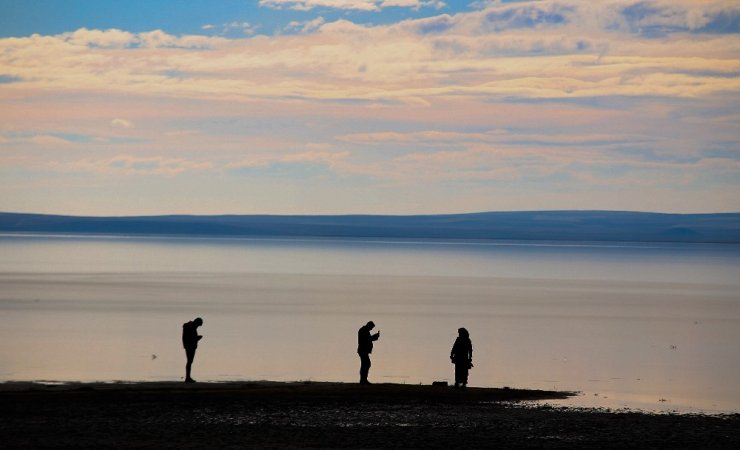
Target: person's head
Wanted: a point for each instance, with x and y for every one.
(370, 325)
(198, 322)
(462, 332)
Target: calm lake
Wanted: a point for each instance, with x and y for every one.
(650, 326)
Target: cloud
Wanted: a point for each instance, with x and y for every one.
(413, 4)
(112, 38)
(7, 79)
(121, 123)
(521, 50)
(542, 96)
(527, 15)
(331, 159)
(483, 163)
(430, 136)
(118, 39)
(358, 5)
(131, 165)
(437, 138)
(307, 26)
(660, 17)
(649, 18)
(306, 5)
(241, 28)
(47, 141)
(36, 140)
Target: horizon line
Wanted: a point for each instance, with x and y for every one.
(523, 211)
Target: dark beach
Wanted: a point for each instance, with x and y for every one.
(330, 415)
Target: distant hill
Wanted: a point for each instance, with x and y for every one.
(542, 225)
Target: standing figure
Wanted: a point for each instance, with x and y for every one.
(190, 340)
(462, 357)
(364, 348)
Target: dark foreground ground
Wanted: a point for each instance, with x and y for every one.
(330, 415)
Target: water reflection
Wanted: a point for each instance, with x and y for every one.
(632, 324)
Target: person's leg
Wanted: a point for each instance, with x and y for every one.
(190, 354)
(364, 368)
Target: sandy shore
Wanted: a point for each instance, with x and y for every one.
(330, 415)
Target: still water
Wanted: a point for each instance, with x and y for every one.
(650, 326)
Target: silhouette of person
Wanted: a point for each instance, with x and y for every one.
(364, 348)
(190, 340)
(462, 357)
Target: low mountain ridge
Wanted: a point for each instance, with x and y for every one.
(532, 225)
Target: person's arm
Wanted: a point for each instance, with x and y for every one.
(375, 336)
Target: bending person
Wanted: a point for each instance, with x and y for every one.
(190, 340)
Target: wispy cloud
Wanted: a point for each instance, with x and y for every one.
(306, 26)
(358, 5)
(330, 159)
(131, 165)
(52, 141)
(121, 123)
(243, 28)
(431, 136)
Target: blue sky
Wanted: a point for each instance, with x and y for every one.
(25, 17)
(368, 106)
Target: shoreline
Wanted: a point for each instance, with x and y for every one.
(330, 415)
(278, 389)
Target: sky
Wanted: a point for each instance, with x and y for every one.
(148, 107)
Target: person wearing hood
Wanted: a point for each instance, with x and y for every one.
(462, 357)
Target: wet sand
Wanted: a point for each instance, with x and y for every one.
(330, 415)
